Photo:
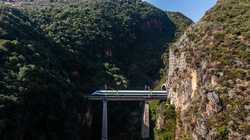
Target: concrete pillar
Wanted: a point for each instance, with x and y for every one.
(145, 131)
(104, 120)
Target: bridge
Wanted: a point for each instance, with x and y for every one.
(127, 95)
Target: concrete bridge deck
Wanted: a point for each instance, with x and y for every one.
(128, 95)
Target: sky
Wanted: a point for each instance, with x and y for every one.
(193, 9)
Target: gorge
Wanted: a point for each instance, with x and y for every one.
(52, 56)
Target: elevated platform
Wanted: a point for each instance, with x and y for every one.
(128, 95)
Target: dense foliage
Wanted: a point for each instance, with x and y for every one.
(163, 120)
(129, 34)
(36, 92)
(180, 21)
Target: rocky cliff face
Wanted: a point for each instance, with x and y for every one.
(163, 115)
(209, 75)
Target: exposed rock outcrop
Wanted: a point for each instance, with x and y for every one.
(209, 75)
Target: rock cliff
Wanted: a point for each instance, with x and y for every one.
(209, 75)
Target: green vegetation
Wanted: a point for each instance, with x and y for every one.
(223, 133)
(35, 90)
(130, 35)
(186, 137)
(234, 13)
(166, 112)
(181, 22)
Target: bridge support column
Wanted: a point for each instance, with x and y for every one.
(145, 130)
(104, 120)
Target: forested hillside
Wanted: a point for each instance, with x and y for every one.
(36, 95)
(180, 21)
(121, 33)
(51, 57)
